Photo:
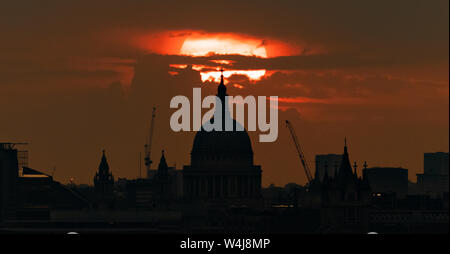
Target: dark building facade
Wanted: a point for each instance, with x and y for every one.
(9, 170)
(388, 180)
(328, 162)
(434, 180)
(345, 200)
(28, 194)
(222, 173)
(38, 194)
(160, 190)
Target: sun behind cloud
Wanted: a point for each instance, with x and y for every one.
(223, 45)
(201, 43)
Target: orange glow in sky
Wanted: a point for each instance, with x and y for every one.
(214, 76)
(201, 43)
(227, 62)
(178, 66)
(223, 46)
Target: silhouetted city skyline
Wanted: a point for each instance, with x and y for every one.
(339, 70)
(221, 185)
(105, 124)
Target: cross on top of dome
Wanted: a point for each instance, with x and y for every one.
(221, 89)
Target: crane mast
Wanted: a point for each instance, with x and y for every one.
(148, 161)
(299, 150)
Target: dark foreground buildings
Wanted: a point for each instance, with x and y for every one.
(162, 189)
(220, 191)
(9, 170)
(345, 200)
(28, 194)
(344, 203)
(387, 180)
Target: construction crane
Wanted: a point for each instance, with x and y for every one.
(299, 150)
(148, 145)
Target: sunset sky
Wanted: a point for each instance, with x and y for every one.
(77, 77)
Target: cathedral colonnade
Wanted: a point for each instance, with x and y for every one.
(226, 185)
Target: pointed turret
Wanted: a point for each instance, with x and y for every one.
(163, 167)
(103, 168)
(355, 172)
(103, 179)
(365, 179)
(345, 174)
(162, 161)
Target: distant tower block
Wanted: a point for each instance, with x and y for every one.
(434, 180)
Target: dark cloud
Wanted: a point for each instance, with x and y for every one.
(384, 27)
